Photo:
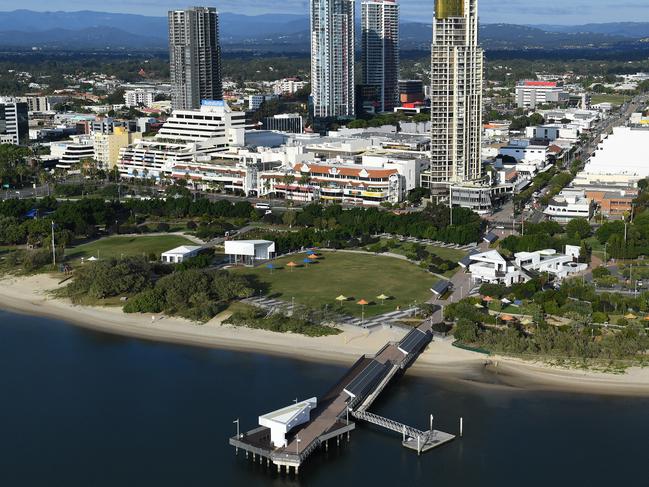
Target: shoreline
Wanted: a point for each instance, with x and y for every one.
(30, 296)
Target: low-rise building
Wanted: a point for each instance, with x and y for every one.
(255, 101)
(180, 254)
(530, 94)
(620, 160)
(550, 262)
(492, 268)
(289, 86)
(288, 122)
(249, 252)
(107, 147)
(70, 154)
(570, 204)
(139, 98)
(613, 203)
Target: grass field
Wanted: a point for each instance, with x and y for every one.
(127, 246)
(356, 276)
(615, 99)
(452, 255)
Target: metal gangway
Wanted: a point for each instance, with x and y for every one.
(415, 439)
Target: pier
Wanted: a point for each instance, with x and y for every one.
(290, 435)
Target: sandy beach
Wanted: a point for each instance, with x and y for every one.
(31, 295)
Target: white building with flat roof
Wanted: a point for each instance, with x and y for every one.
(283, 420)
(530, 93)
(248, 252)
(621, 159)
(492, 268)
(180, 254)
(139, 97)
(551, 262)
(570, 204)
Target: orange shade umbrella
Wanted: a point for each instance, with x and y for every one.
(488, 299)
(507, 318)
(362, 302)
(291, 265)
(313, 257)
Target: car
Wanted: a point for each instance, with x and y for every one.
(262, 206)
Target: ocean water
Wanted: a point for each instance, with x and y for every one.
(86, 409)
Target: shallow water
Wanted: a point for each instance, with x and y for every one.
(81, 408)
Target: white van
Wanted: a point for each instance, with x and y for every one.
(262, 206)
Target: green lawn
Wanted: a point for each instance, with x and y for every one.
(109, 247)
(356, 276)
(447, 254)
(452, 255)
(615, 99)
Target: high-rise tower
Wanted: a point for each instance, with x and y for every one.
(380, 51)
(195, 57)
(456, 94)
(332, 58)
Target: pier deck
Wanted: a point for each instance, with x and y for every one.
(349, 399)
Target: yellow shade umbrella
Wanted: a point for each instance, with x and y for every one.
(630, 316)
(341, 299)
(382, 298)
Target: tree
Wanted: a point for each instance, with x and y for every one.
(289, 218)
(579, 229)
(466, 331)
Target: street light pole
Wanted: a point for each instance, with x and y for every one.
(53, 246)
(237, 423)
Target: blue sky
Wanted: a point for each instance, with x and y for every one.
(509, 11)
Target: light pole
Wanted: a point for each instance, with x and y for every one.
(237, 423)
(450, 202)
(297, 444)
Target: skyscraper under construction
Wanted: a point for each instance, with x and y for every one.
(456, 94)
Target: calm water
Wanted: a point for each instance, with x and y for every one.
(79, 408)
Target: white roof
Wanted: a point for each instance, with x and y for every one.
(182, 250)
(287, 415)
(625, 151)
(490, 256)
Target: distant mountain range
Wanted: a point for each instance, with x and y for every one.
(278, 32)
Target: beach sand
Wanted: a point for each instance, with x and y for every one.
(32, 295)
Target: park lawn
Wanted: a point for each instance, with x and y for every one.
(357, 276)
(453, 255)
(615, 99)
(110, 247)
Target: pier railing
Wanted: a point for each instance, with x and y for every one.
(390, 424)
